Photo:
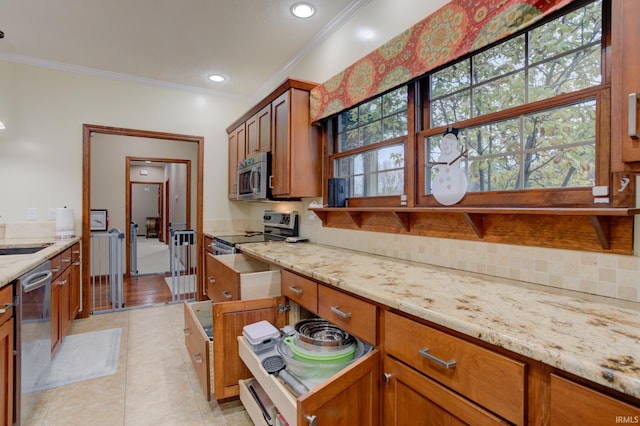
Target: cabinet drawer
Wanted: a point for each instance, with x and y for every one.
(61, 262)
(490, 379)
(572, 403)
(349, 313)
(223, 284)
(6, 302)
(196, 316)
(301, 290)
(350, 395)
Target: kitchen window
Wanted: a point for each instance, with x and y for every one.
(528, 110)
(370, 146)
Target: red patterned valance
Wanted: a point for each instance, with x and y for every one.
(459, 27)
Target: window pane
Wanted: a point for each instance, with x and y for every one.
(374, 172)
(560, 168)
(349, 140)
(395, 125)
(499, 94)
(348, 120)
(496, 138)
(565, 74)
(493, 174)
(370, 111)
(451, 109)
(569, 32)
(573, 124)
(500, 60)
(372, 133)
(450, 79)
(395, 101)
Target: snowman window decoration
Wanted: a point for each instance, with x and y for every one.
(449, 185)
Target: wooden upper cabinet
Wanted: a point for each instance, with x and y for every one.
(259, 131)
(625, 81)
(281, 124)
(237, 152)
(296, 148)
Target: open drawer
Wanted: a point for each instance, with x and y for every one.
(210, 333)
(351, 394)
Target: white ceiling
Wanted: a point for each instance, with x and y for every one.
(176, 43)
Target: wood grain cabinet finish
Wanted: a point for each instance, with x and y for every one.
(493, 381)
(280, 123)
(354, 315)
(65, 293)
(411, 398)
(7, 333)
(349, 397)
(217, 363)
(572, 403)
(301, 290)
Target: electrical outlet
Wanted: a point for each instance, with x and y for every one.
(32, 213)
(51, 214)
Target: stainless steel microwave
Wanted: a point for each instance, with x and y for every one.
(254, 177)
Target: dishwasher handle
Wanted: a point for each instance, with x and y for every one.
(35, 281)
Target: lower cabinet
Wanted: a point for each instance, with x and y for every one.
(7, 365)
(211, 331)
(572, 403)
(349, 397)
(469, 376)
(411, 398)
(65, 293)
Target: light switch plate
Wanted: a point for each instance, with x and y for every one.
(32, 213)
(600, 191)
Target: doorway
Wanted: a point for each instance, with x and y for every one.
(135, 140)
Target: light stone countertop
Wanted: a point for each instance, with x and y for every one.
(593, 337)
(13, 266)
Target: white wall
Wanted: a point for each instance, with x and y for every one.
(41, 148)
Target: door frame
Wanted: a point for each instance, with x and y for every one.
(87, 131)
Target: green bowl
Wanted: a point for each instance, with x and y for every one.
(320, 358)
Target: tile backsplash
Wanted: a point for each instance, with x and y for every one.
(610, 275)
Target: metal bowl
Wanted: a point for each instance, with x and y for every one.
(319, 332)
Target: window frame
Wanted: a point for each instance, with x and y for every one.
(539, 197)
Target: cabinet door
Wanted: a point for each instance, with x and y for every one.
(351, 397)
(55, 315)
(280, 149)
(626, 77)
(75, 284)
(237, 152)
(64, 319)
(197, 343)
(228, 320)
(411, 398)
(258, 130)
(6, 364)
(572, 403)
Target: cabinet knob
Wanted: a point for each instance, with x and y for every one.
(386, 377)
(227, 295)
(312, 420)
(211, 280)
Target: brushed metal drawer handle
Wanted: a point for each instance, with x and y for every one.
(186, 332)
(312, 420)
(343, 314)
(5, 308)
(227, 295)
(211, 280)
(296, 290)
(197, 358)
(446, 364)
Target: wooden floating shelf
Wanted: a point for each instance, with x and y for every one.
(475, 217)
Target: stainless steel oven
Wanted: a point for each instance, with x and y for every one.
(277, 227)
(254, 177)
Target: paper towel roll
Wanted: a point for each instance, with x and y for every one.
(65, 226)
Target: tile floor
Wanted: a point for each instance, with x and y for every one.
(155, 383)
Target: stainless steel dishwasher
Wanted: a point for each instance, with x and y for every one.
(33, 337)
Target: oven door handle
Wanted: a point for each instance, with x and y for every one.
(36, 281)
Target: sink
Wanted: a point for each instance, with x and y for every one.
(22, 249)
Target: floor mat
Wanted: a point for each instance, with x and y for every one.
(84, 356)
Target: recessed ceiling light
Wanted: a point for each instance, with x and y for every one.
(303, 10)
(218, 78)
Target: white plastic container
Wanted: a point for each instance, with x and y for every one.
(261, 335)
